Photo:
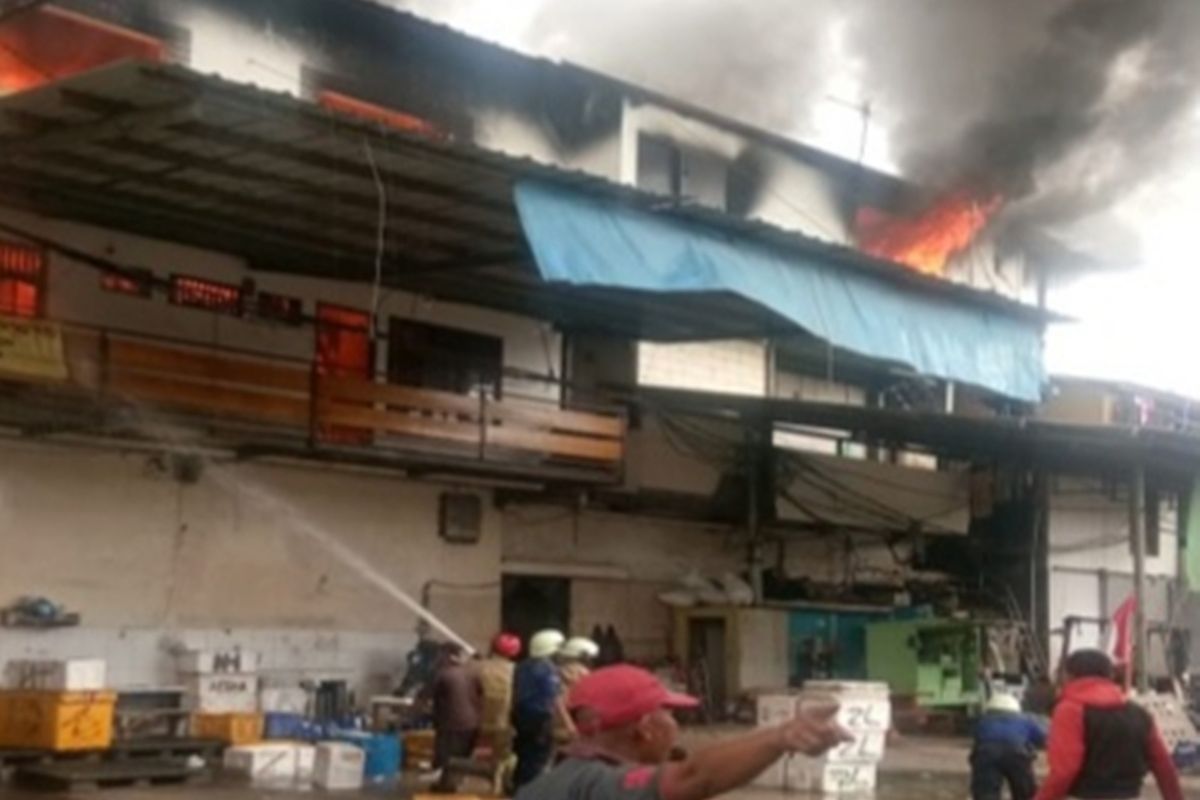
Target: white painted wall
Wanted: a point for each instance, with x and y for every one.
(75, 295)
(729, 366)
(1090, 563)
(149, 562)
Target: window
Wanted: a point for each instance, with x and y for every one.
(223, 298)
(280, 308)
(659, 166)
(686, 174)
(448, 359)
(22, 280)
(133, 282)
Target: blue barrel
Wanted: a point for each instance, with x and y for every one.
(384, 754)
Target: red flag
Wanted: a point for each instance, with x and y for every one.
(1122, 641)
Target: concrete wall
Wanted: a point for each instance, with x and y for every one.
(231, 559)
(618, 564)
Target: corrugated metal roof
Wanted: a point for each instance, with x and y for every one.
(166, 152)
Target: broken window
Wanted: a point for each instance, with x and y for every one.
(192, 292)
(132, 282)
(22, 280)
(446, 359)
(685, 174)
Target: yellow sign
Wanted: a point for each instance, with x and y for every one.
(32, 349)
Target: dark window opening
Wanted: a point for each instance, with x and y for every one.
(222, 298)
(659, 166)
(22, 280)
(446, 359)
(132, 282)
(280, 308)
(685, 174)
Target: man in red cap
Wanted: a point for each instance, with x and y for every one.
(627, 733)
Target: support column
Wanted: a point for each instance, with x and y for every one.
(754, 515)
(1137, 533)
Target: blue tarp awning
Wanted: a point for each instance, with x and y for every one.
(588, 241)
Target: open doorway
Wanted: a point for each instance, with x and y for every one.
(707, 659)
(532, 603)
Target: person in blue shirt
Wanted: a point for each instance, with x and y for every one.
(1006, 743)
(537, 704)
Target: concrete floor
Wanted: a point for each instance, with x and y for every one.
(914, 769)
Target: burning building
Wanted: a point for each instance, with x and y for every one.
(267, 267)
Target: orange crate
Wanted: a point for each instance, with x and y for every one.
(243, 728)
(59, 721)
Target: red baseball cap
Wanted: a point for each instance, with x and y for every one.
(623, 694)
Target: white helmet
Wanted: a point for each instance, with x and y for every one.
(545, 644)
(579, 648)
(1004, 703)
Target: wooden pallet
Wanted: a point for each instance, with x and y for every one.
(66, 776)
(166, 747)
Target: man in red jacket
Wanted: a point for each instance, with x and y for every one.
(1101, 745)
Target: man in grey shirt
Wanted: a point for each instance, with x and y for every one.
(627, 733)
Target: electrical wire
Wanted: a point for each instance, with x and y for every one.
(380, 231)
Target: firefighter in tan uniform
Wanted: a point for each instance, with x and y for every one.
(496, 675)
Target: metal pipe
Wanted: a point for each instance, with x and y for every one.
(1137, 533)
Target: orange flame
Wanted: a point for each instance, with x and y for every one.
(46, 43)
(927, 242)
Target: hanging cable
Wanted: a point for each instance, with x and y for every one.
(380, 232)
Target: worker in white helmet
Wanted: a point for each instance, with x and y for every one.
(537, 704)
(1006, 742)
(574, 664)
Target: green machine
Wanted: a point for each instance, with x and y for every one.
(934, 661)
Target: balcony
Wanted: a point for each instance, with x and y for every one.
(59, 379)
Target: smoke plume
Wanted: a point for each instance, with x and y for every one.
(1062, 106)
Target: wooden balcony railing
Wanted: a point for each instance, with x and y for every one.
(159, 377)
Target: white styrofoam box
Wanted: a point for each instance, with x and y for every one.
(263, 763)
(222, 694)
(806, 775)
(867, 748)
(862, 705)
(776, 709)
(209, 662)
(339, 766)
(306, 756)
(283, 700)
(59, 675)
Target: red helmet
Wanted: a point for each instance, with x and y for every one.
(507, 645)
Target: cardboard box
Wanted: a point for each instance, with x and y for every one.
(58, 721)
(339, 766)
(64, 675)
(263, 763)
(222, 693)
(235, 729)
(218, 662)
